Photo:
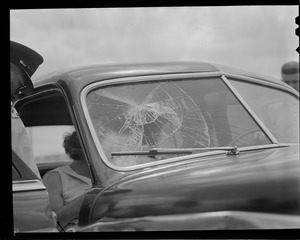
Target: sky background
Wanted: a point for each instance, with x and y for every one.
(257, 39)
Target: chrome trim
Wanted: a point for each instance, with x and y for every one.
(26, 181)
(135, 79)
(260, 81)
(158, 77)
(28, 186)
(250, 111)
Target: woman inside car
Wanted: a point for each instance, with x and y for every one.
(66, 185)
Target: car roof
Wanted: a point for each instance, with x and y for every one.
(87, 74)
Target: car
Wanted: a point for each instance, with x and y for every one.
(176, 145)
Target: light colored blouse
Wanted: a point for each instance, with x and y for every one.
(73, 184)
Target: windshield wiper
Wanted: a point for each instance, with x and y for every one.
(158, 151)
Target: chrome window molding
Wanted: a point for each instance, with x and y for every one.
(250, 111)
(261, 82)
(28, 186)
(135, 79)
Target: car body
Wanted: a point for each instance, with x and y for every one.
(177, 146)
(31, 208)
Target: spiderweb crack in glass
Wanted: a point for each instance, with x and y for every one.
(142, 116)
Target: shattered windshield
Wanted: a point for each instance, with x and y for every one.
(168, 114)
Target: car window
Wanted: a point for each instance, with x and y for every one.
(187, 113)
(277, 109)
(47, 143)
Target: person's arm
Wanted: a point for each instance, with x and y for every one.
(69, 211)
(65, 213)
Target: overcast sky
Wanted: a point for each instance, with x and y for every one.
(258, 39)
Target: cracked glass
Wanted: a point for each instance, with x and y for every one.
(171, 114)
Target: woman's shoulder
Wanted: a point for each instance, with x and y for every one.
(56, 172)
(66, 175)
(52, 180)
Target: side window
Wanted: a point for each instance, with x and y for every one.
(47, 118)
(278, 110)
(241, 135)
(47, 146)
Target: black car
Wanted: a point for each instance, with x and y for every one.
(177, 146)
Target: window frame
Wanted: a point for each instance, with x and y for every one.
(48, 91)
(109, 82)
(276, 86)
(250, 111)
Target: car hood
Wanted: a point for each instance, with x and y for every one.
(262, 182)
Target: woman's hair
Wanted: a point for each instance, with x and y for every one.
(72, 146)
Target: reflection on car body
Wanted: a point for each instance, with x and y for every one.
(177, 146)
(31, 211)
